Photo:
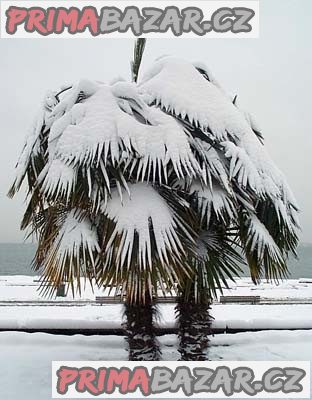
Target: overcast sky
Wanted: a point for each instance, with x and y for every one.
(272, 76)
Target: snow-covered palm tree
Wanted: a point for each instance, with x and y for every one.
(151, 186)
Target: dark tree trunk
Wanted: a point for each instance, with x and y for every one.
(141, 337)
(194, 322)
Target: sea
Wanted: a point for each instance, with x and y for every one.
(16, 259)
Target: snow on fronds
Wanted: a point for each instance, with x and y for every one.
(157, 144)
(251, 165)
(260, 240)
(177, 86)
(50, 100)
(101, 129)
(30, 149)
(127, 91)
(250, 118)
(96, 130)
(76, 242)
(273, 180)
(287, 214)
(144, 213)
(203, 69)
(117, 79)
(49, 115)
(288, 196)
(243, 169)
(180, 89)
(214, 199)
(58, 179)
(213, 165)
(252, 122)
(70, 97)
(56, 131)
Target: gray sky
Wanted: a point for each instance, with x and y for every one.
(272, 76)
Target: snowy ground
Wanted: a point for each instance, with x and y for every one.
(22, 287)
(110, 316)
(276, 316)
(26, 358)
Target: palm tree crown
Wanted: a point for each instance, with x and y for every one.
(155, 184)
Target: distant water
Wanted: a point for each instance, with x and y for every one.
(15, 259)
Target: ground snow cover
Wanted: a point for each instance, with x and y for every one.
(88, 315)
(25, 288)
(26, 358)
(110, 317)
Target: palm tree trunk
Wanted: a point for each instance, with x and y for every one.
(141, 337)
(194, 322)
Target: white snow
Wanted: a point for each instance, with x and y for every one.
(242, 167)
(305, 280)
(26, 358)
(58, 178)
(111, 317)
(104, 123)
(74, 246)
(176, 86)
(30, 148)
(213, 199)
(25, 288)
(76, 231)
(136, 214)
(89, 315)
(80, 142)
(70, 97)
(259, 239)
(286, 289)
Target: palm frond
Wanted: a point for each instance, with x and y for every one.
(212, 162)
(213, 202)
(281, 221)
(264, 257)
(217, 260)
(68, 253)
(143, 243)
(243, 169)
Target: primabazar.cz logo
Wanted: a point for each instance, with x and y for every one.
(34, 19)
(156, 380)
